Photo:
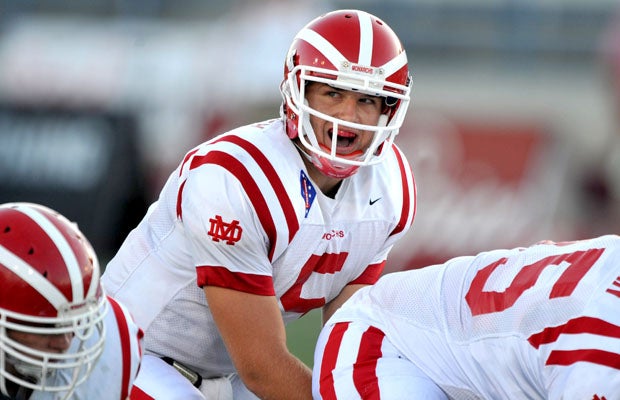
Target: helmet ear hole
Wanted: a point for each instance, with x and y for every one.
(391, 101)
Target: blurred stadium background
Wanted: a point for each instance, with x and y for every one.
(513, 130)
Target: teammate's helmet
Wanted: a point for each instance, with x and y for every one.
(49, 275)
(352, 50)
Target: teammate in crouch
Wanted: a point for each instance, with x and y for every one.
(61, 337)
(541, 322)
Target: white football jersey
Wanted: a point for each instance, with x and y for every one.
(116, 369)
(241, 212)
(541, 322)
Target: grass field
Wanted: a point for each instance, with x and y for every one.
(301, 336)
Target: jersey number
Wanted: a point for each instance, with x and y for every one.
(321, 264)
(485, 302)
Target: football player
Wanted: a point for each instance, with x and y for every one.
(61, 337)
(264, 223)
(529, 323)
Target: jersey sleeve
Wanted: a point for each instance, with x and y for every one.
(229, 247)
(127, 337)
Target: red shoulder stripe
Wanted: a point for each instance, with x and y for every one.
(139, 394)
(123, 331)
(186, 159)
(568, 357)
(235, 167)
(274, 179)
(370, 275)
(590, 325)
(404, 214)
(180, 200)
(180, 192)
(587, 325)
(246, 179)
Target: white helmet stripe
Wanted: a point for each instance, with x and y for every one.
(365, 57)
(319, 42)
(66, 252)
(94, 282)
(366, 38)
(32, 277)
(395, 64)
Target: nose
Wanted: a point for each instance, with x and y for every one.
(60, 342)
(348, 108)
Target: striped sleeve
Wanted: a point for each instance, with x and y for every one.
(130, 336)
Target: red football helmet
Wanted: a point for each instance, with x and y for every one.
(50, 286)
(352, 50)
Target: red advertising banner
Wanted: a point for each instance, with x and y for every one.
(482, 184)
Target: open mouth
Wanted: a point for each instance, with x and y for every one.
(345, 143)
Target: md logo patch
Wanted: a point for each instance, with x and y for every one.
(227, 231)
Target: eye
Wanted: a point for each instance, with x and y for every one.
(370, 100)
(332, 93)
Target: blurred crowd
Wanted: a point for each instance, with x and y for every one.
(525, 139)
(600, 188)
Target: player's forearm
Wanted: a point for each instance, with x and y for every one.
(330, 308)
(285, 379)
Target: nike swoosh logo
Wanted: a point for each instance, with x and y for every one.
(371, 201)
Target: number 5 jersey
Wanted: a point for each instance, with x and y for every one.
(541, 322)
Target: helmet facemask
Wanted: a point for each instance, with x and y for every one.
(36, 369)
(328, 159)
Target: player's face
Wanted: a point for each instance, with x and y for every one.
(58, 343)
(50, 343)
(347, 105)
